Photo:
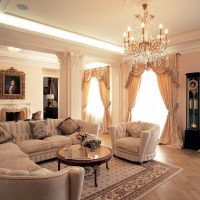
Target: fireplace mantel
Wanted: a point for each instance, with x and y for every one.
(25, 107)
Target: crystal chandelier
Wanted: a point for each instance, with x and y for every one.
(148, 50)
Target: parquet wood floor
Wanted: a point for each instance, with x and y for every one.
(186, 184)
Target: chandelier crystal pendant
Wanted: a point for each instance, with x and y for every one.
(148, 51)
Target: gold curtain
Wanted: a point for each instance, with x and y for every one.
(168, 86)
(133, 86)
(105, 97)
(102, 74)
(167, 77)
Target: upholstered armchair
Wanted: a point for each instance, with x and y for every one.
(135, 141)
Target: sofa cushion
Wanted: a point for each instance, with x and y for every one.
(5, 136)
(22, 163)
(68, 126)
(41, 172)
(4, 171)
(9, 147)
(10, 151)
(33, 145)
(135, 128)
(58, 141)
(129, 144)
(40, 129)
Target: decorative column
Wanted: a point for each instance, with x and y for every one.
(70, 84)
(76, 85)
(64, 85)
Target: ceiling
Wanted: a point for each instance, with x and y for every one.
(106, 20)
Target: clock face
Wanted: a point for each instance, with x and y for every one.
(193, 85)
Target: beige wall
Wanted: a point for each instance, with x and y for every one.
(33, 85)
(188, 63)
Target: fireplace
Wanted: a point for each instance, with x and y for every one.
(14, 112)
(15, 116)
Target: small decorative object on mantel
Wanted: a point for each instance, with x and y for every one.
(12, 84)
(81, 136)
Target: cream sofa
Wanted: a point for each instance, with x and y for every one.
(22, 179)
(39, 150)
(138, 148)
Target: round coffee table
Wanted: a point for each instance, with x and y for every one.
(74, 155)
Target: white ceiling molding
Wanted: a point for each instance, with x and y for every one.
(38, 59)
(35, 27)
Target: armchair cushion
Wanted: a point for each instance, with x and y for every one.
(129, 144)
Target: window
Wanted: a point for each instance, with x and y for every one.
(94, 109)
(149, 105)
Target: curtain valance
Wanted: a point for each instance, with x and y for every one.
(101, 73)
(166, 66)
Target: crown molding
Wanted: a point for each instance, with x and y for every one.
(185, 42)
(37, 59)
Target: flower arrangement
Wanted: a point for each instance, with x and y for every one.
(82, 136)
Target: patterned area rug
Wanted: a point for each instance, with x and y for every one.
(123, 180)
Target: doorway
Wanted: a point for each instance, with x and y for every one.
(50, 97)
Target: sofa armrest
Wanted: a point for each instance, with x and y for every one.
(63, 185)
(76, 178)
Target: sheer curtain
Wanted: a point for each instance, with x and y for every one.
(102, 75)
(94, 109)
(149, 103)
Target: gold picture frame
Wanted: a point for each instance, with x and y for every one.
(12, 84)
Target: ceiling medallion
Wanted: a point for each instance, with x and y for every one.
(148, 49)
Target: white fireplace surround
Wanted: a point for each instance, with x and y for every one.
(25, 108)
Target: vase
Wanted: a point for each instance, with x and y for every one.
(81, 144)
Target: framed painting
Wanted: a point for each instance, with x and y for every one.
(12, 84)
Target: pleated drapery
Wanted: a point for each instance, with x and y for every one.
(167, 78)
(103, 76)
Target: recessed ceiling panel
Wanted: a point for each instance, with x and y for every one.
(105, 19)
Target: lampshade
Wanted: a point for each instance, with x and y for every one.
(50, 96)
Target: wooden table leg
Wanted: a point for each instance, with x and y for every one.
(58, 165)
(95, 176)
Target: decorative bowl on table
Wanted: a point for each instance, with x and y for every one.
(92, 144)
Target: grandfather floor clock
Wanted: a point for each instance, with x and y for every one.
(192, 132)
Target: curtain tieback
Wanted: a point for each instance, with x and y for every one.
(107, 106)
(130, 108)
(174, 109)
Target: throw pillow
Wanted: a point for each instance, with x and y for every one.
(40, 129)
(134, 129)
(5, 136)
(36, 115)
(68, 126)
